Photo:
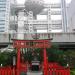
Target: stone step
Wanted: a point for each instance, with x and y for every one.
(34, 73)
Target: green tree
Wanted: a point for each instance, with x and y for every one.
(6, 58)
(56, 55)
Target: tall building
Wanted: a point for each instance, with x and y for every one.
(50, 24)
(5, 6)
(64, 15)
(71, 17)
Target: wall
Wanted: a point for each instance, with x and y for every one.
(71, 16)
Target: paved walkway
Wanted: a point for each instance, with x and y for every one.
(34, 73)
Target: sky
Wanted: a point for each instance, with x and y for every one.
(46, 1)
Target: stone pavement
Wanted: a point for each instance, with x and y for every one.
(34, 73)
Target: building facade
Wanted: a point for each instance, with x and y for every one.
(5, 6)
(8, 19)
(71, 16)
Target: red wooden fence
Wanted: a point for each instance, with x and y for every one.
(56, 69)
(7, 71)
(12, 71)
(59, 72)
(53, 69)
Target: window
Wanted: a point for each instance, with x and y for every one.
(2, 22)
(2, 18)
(1, 30)
(2, 0)
(2, 27)
(2, 3)
(2, 15)
(2, 8)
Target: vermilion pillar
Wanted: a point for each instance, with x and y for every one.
(45, 63)
(18, 61)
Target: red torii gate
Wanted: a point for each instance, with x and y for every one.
(48, 68)
(18, 44)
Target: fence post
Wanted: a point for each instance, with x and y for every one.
(68, 71)
(50, 72)
(57, 72)
(2, 72)
(5, 71)
(8, 72)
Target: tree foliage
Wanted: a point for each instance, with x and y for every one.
(56, 55)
